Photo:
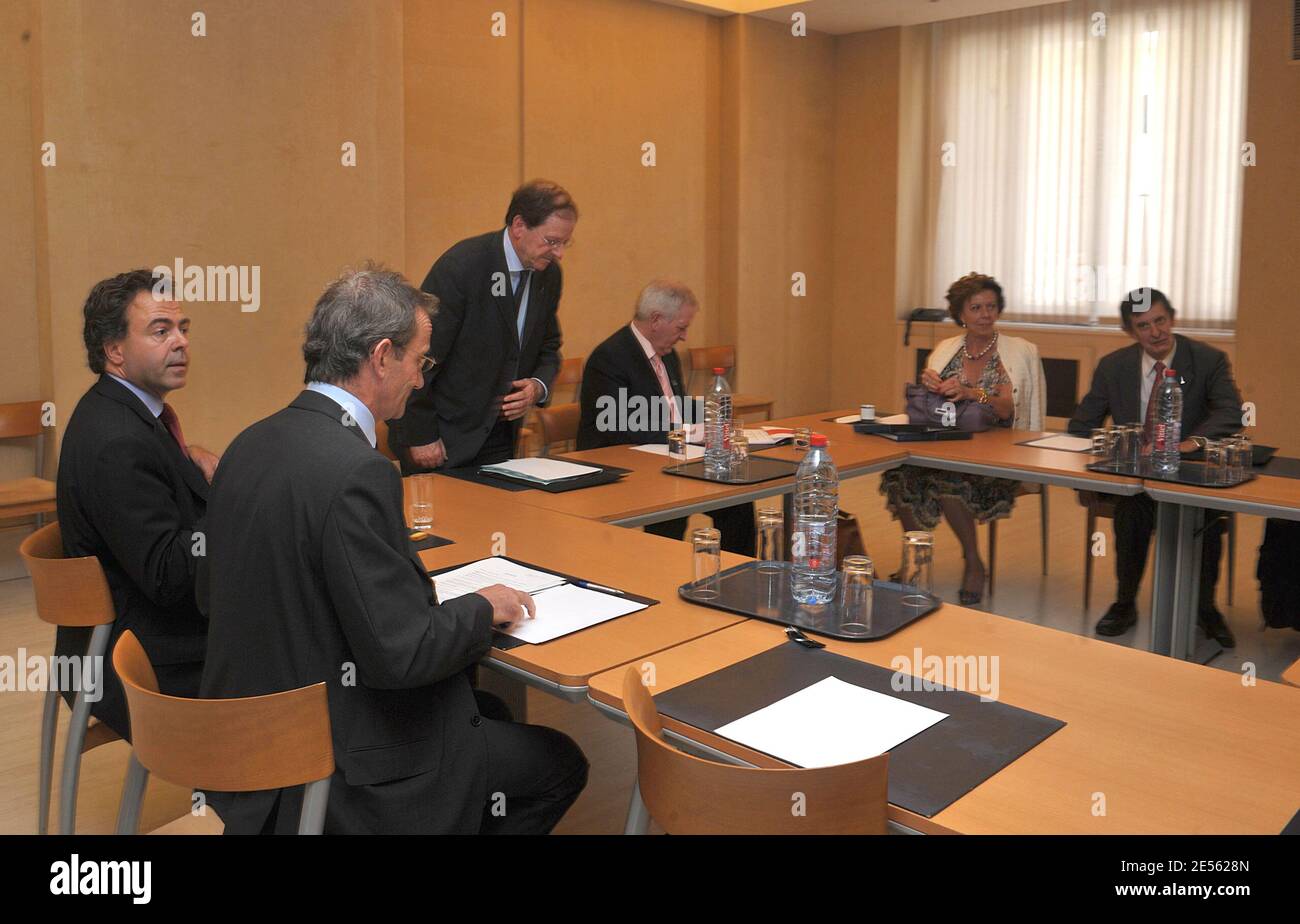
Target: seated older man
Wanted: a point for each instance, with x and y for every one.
(637, 364)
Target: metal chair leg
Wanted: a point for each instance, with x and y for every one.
(1232, 556)
(72, 764)
(638, 817)
(1042, 520)
(128, 810)
(49, 728)
(1087, 557)
(314, 800)
(993, 553)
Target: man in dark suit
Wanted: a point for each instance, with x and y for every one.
(632, 393)
(131, 492)
(311, 576)
(1124, 386)
(496, 336)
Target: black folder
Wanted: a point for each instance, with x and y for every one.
(928, 772)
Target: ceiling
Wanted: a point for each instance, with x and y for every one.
(837, 17)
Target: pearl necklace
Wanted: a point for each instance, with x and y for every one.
(981, 353)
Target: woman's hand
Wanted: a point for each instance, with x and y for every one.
(930, 379)
(952, 388)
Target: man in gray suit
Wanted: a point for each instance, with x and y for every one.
(311, 576)
(1124, 385)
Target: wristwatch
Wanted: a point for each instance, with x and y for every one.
(1199, 441)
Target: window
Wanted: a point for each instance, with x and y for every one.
(1081, 150)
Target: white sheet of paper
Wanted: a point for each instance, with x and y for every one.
(831, 722)
(1062, 441)
(568, 608)
(893, 419)
(851, 418)
(477, 575)
(692, 452)
(762, 437)
(543, 470)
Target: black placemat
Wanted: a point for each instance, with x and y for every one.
(755, 471)
(928, 772)
(747, 590)
(608, 474)
(506, 642)
(430, 541)
(1292, 826)
(1076, 452)
(1282, 467)
(1189, 473)
(910, 433)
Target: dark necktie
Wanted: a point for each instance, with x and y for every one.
(173, 425)
(519, 293)
(1149, 425)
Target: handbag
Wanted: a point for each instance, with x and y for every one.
(926, 408)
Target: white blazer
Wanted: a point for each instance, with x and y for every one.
(1020, 357)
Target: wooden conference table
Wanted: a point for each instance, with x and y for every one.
(483, 521)
(1151, 744)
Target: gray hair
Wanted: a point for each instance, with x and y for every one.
(665, 296)
(355, 312)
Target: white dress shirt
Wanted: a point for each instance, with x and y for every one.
(1149, 377)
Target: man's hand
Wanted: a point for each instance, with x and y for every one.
(508, 604)
(205, 460)
(430, 455)
(526, 394)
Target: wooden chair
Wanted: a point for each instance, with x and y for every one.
(24, 497)
(224, 745)
(706, 359)
(1026, 487)
(559, 426)
(566, 388)
(69, 592)
(1292, 675)
(1103, 506)
(688, 795)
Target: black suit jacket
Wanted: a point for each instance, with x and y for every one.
(130, 496)
(310, 577)
(1211, 402)
(617, 372)
(478, 349)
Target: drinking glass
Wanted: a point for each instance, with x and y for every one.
(802, 437)
(917, 570)
(677, 446)
(1240, 458)
(1218, 464)
(771, 540)
(1129, 449)
(419, 501)
(856, 595)
(739, 445)
(706, 560)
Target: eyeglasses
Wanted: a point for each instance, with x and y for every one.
(553, 244)
(427, 363)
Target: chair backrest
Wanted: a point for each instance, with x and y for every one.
(688, 795)
(706, 359)
(21, 419)
(69, 591)
(559, 424)
(381, 440)
(226, 745)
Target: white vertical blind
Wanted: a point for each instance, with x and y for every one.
(1089, 156)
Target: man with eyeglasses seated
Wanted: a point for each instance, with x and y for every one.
(1124, 387)
(496, 338)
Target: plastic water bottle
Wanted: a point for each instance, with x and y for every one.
(717, 433)
(1167, 430)
(812, 536)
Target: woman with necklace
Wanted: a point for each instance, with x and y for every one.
(987, 367)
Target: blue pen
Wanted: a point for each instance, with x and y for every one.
(590, 586)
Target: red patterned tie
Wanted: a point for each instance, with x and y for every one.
(1149, 425)
(173, 425)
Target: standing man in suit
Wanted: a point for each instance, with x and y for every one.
(496, 337)
(1124, 387)
(638, 365)
(311, 577)
(131, 491)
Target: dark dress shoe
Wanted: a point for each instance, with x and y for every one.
(1211, 622)
(969, 597)
(1117, 621)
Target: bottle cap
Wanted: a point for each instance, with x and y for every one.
(1169, 372)
(718, 370)
(818, 439)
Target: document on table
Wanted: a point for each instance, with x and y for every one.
(1062, 441)
(831, 722)
(692, 452)
(894, 419)
(851, 418)
(562, 607)
(496, 570)
(541, 471)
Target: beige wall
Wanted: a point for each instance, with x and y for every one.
(1270, 230)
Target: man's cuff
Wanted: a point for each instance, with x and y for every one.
(546, 392)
